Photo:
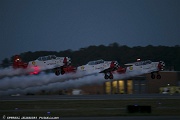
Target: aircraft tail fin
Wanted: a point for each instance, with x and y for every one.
(18, 63)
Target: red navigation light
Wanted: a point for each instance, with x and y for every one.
(36, 70)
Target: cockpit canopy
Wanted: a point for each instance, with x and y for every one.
(139, 63)
(96, 62)
(44, 58)
(143, 62)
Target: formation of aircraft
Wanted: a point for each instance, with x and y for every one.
(62, 65)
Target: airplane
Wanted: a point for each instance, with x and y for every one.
(100, 66)
(146, 66)
(61, 65)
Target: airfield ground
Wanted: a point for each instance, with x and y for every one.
(82, 106)
(87, 107)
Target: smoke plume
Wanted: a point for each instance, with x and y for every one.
(51, 82)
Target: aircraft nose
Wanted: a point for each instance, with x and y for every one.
(114, 64)
(69, 59)
(161, 65)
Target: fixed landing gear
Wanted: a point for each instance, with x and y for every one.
(153, 76)
(108, 75)
(59, 71)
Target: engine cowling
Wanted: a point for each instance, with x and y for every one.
(121, 70)
(161, 65)
(114, 65)
(67, 61)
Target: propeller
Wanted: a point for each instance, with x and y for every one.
(161, 65)
(65, 61)
(114, 64)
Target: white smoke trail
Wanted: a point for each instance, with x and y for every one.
(88, 80)
(10, 71)
(23, 82)
(51, 82)
(128, 74)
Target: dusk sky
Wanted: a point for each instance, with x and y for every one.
(55, 25)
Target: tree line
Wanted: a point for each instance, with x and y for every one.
(121, 53)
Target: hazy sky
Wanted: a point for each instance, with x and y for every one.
(55, 25)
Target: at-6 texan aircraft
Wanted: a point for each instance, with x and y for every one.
(60, 65)
(100, 66)
(112, 67)
(146, 66)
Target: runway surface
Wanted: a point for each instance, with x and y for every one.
(91, 97)
(88, 97)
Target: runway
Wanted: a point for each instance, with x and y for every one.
(88, 107)
(88, 97)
